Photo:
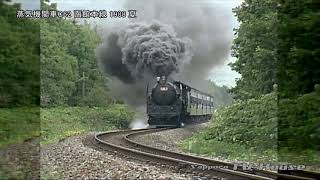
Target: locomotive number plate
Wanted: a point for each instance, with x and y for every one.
(163, 88)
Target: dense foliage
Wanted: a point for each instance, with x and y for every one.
(277, 44)
(255, 48)
(252, 123)
(19, 58)
(69, 70)
(299, 122)
(299, 74)
(298, 47)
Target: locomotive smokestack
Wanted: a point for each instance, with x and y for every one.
(163, 80)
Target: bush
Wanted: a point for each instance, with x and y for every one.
(252, 123)
(246, 130)
(299, 122)
(97, 97)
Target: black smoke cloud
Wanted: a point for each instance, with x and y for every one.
(159, 41)
(152, 49)
(137, 52)
(206, 23)
(109, 55)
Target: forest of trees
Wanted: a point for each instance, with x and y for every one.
(277, 47)
(69, 71)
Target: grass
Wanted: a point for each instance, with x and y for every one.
(237, 152)
(229, 151)
(60, 122)
(18, 124)
(54, 124)
(305, 157)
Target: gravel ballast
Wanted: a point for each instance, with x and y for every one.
(71, 159)
(169, 139)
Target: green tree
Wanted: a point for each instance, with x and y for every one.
(298, 47)
(58, 68)
(19, 58)
(69, 73)
(278, 43)
(298, 74)
(255, 48)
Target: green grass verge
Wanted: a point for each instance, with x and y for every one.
(229, 151)
(238, 152)
(18, 124)
(60, 122)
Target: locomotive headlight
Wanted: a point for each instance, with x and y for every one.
(163, 88)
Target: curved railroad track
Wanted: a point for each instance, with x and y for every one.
(122, 142)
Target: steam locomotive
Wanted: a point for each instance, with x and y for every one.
(176, 104)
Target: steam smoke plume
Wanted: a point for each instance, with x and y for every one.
(145, 49)
(183, 38)
(153, 49)
(207, 23)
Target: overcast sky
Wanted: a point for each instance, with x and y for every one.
(222, 75)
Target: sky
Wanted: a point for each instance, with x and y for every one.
(28, 4)
(222, 74)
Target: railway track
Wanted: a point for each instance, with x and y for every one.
(122, 142)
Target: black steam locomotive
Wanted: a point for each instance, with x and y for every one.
(175, 104)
